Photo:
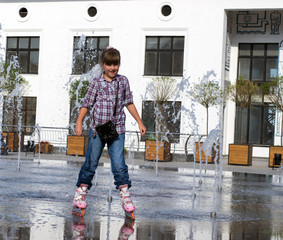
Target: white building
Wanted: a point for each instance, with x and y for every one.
(190, 38)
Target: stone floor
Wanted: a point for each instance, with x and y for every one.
(174, 200)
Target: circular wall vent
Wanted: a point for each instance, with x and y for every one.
(166, 11)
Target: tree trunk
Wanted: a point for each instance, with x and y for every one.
(1, 110)
(159, 121)
(207, 121)
(281, 128)
(242, 125)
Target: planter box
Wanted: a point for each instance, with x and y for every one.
(12, 140)
(44, 148)
(3, 150)
(76, 145)
(163, 151)
(210, 159)
(240, 154)
(9, 139)
(272, 151)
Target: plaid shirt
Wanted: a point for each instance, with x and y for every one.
(100, 100)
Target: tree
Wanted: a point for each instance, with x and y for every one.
(241, 93)
(12, 84)
(78, 90)
(273, 92)
(78, 87)
(161, 90)
(11, 78)
(207, 94)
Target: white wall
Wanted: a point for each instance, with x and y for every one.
(127, 23)
(56, 23)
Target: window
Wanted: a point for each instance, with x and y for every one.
(27, 51)
(171, 115)
(86, 53)
(28, 113)
(258, 63)
(164, 56)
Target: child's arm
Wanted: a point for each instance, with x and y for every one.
(79, 123)
(133, 111)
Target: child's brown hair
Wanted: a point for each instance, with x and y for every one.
(110, 56)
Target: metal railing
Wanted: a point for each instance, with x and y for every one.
(57, 136)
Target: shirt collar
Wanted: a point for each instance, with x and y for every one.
(102, 78)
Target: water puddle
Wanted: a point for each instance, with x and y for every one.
(36, 203)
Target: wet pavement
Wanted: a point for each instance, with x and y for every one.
(36, 202)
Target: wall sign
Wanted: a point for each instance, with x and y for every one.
(256, 22)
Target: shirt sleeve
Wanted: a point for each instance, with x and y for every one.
(90, 97)
(128, 93)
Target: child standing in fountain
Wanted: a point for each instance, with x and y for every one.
(99, 101)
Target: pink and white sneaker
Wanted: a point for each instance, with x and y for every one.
(78, 228)
(127, 229)
(79, 200)
(126, 201)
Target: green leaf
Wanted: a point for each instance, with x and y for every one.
(11, 77)
(78, 90)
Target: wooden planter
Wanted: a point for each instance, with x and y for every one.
(76, 145)
(45, 147)
(240, 154)
(3, 150)
(272, 159)
(210, 159)
(12, 140)
(163, 151)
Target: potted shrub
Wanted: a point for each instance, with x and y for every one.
(241, 93)
(158, 147)
(207, 93)
(273, 93)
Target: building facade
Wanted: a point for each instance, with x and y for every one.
(58, 41)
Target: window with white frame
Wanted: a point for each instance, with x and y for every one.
(86, 52)
(164, 56)
(27, 51)
(170, 116)
(27, 113)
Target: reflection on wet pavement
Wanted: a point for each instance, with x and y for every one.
(36, 203)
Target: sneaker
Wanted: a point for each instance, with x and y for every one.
(80, 196)
(126, 200)
(78, 228)
(127, 229)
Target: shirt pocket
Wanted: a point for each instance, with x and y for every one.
(102, 94)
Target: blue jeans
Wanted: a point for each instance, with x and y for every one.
(93, 154)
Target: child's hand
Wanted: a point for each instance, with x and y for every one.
(79, 129)
(79, 123)
(142, 128)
